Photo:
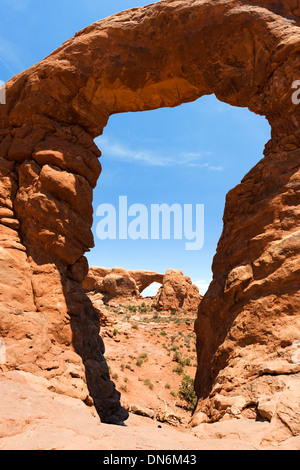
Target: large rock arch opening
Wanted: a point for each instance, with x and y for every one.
(165, 54)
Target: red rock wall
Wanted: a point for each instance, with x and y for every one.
(247, 54)
(49, 325)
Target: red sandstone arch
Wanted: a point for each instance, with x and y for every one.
(247, 54)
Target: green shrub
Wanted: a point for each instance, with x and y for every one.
(149, 383)
(178, 369)
(178, 358)
(187, 392)
(143, 356)
(132, 308)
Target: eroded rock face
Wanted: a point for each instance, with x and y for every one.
(118, 283)
(177, 293)
(247, 54)
(145, 278)
(248, 323)
(115, 283)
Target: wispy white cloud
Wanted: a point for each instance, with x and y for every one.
(18, 5)
(195, 155)
(202, 285)
(119, 151)
(11, 53)
(215, 168)
(10, 56)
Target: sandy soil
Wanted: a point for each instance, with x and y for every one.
(148, 354)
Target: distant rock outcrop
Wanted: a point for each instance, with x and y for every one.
(144, 278)
(177, 292)
(118, 284)
(115, 283)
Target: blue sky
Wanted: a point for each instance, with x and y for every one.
(192, 154)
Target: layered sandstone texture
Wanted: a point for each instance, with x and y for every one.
(165, 54)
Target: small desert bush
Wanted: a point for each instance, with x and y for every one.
(143, 356)
(187, 392)
(149, 383)
(132, 308)
(178, 369)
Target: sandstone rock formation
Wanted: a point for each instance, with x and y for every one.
(118, 283)
(165, 54)
(177, 292)
(113, 283)
(36, 418)
(145, 278)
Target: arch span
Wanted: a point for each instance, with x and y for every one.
(165, 54)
